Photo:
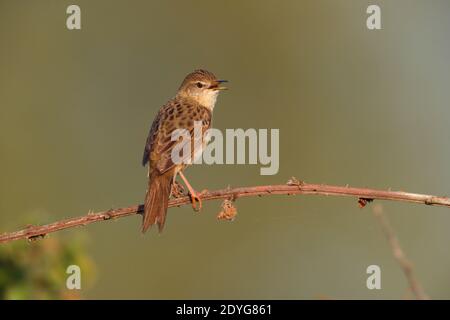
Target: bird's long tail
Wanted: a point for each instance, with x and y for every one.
(157, 201)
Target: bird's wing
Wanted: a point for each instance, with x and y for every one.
(151, 137)
(177, 115)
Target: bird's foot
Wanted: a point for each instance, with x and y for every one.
(177, 190)
(195, 196)
(196, 200)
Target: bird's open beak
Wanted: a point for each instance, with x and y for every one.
(217, 85)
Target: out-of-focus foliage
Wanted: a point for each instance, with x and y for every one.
(37, 270)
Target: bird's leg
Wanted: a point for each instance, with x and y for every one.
(177, 190)
(195, 197)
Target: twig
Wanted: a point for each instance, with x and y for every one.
(399, 255)
(293, 187)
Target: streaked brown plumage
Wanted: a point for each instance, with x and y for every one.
(194, 101)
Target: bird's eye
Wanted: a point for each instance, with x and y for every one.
(199, 85)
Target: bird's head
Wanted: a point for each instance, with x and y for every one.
(202, 86)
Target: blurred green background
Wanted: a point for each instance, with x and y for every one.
(40, 270)
(359, 107)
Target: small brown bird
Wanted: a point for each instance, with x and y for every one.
(194, 101)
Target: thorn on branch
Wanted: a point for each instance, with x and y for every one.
(362, 202)
(293, 181)
(36, 237)
(429, 201)
(29, 228)
(228, 212)
(108, 214)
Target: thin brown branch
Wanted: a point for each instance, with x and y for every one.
(293, 187)
(399, 254)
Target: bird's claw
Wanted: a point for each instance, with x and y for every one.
(195, 198)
